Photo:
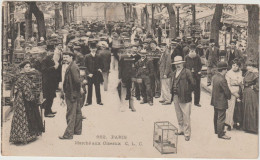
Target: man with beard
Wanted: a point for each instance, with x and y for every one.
(193, 63)
(72, 90)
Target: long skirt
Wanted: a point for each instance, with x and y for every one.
(250, 105)
(230, 111)
(20, 127)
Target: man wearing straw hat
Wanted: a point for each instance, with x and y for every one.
(182, 82)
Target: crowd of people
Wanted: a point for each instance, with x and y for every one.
(150, 65)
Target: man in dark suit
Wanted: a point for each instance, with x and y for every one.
(219, 99)
(126, 73)
(49, 68)
(72, 89)
(145, 70)
(94, 66)
(193, 63)
(182, 83)
(212, 56)
(105, 55)
(234, 53)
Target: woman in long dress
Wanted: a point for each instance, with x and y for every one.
(251, 98)
(26, 123)
(234, 79)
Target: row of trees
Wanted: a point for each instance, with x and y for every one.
(130, 10)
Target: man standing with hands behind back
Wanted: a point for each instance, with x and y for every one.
(72, 89)
(94, 66)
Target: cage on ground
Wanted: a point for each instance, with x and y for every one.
(165, 137)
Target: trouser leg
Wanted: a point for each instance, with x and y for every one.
(137, 90)
(90, 88)
(47, 105)
(186, 111)
(178, 112)
(123, 102)
(215, 120)
(166, 93)
(152, 83)
(143, 90)
(78, 123)
(97, 90)
(105, 76)
(157, 86)
(70, 117)
(197, 91)
(221, 122)
(147, 83)
(209, 74)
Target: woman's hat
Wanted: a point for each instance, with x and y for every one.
(178, 60)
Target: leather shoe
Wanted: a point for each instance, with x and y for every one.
(161, 101)
(64, 138)
(166, 103)
(138, 98)
(100, 103)
(133, 110)
(143, 102)
(180, 133)
(187, 138)
(87, 104)
(53, 112)
(198, 105)
(150, 103)
(49, 115)
(83, 117)
(225, 137)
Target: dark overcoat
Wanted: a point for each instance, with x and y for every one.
(220, 92)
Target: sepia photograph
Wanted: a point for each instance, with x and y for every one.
(130, 79)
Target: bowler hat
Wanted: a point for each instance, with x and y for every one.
(222, 65)
(212, 41)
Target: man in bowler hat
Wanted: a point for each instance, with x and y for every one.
(219, 99)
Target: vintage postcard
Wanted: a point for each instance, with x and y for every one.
(130, 80)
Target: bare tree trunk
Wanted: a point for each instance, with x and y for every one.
(12, 26)
(40, 20)
(105, 14)
(172, 18)
(135, 14)
(215, 23)
(28, 23)
(5, 28)
(142, 17)
(153, 23)
(125, 12)
(193, 14)
(57, 16)
(253, 33)
(73, 12)
(147, 18)
(64, 12)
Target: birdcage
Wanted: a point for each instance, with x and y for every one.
(165, 137)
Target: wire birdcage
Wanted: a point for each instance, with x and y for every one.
(165, 137)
